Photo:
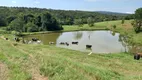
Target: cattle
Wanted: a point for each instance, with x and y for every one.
(17, 39)
(25, 41)
(67, 43)
(51, 42)
(88, 46)
(74, 42)
(34, 39)
(6, 38)
(38, 41)
(137, 56)
(62, 43)
(30, 42)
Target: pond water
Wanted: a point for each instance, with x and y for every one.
(101, 41)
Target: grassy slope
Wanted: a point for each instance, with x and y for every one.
(25, 62)
(28, 61)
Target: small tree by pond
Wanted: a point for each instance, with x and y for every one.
(123, 21)
(90, 21)
(79, 22)
(114, 26)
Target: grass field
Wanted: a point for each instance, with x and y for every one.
(43, 62)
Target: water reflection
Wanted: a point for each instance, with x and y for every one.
(78, 35)
(113, 33)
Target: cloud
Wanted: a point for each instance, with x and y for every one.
(36, 2)
(130, 12)
(14, 2)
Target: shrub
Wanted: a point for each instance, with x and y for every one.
(114, 26)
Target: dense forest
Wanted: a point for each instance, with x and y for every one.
(24, 19)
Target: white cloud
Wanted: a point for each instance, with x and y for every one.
(36, 2)
(14, 2)
(130, 12)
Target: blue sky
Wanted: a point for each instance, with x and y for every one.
(124, 6)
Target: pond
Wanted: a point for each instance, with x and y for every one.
(100, 41)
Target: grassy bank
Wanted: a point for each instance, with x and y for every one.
(41, 62)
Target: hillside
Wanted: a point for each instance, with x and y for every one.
(47, 62)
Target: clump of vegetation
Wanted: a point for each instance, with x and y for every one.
(79, 22)
(90, 21)
(114, 26)
(15, 44)
(15, 33)
(123, 21)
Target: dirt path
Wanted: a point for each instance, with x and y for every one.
(3, 72)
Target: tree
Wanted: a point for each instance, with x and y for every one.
(16, 25)
(10, 19)
(90, 21)
(123, 21)
(130, 16)
(114, 26)
(2, 21)
(49, 23)
(78, 22)
(138, 20)
(28, 18)
(31, 27)
(38, 21)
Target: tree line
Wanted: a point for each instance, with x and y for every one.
(23, 19)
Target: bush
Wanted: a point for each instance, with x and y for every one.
(123, 21)
(114, 26)
(15, 33)
(5, 32)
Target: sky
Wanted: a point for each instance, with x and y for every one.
(122, 6)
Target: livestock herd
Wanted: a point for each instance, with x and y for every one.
(37, 41)
(73, 43)
(137, 56)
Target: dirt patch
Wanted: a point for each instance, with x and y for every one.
(3, 72)
(39, 77)
(127, 26)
